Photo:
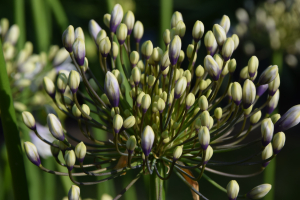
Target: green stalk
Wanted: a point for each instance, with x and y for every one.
(65, 180)
(19, 12)
(166, 9)
(59, 13)
(11, 135)
(49, 180)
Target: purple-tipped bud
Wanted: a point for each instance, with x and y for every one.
(204, 137)
(260, 90)
(174, 49)
(79, 51)
(268, 75)
(272, 104)
(290, 119)
(116, 17)
(267, 129)
(212, 67)
(112, 90)
(68, 38)
(147, 140)
(32, 153)
(249, 93)
(94, 29)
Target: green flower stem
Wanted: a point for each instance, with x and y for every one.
(19, 12)
(214, 183)
(166, 10)
(59, 13)
(49, 181)
(11, 135)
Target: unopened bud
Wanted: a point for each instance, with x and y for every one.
(232, 66)
(117, 123)
(233, 189)
(274, 85)
(205, 118)
(198, 31)
(212, 67)
(278, 142)
(138, 31)
(167, 37)
(68, 38)
(236, 92)
(176, 17)
(275, 118)
(129, 122)
(111, 88)
(290, 119)
(255, 117)
(220, 34)
(180, 29)
(80, 151)
(29, 120)
(252, 66)
(106, 20)
(94, 29)
(62, 82)
(267, 129)
(204, 137)
(74, 80)
(174, 49)
(268, 75)
(266, 154)
(180, 87)
(49, 87)
(177, 153)
(208, 154)
(249, 93)
(273, 102)
(122, 33)
(129, 21)
(259, 191)
(116, 17)
(131, 144)
(55, 127)
(70, 159)
(236, 40)
(227, 49)
(32, 153)
(210, 43)
(146, 102)
(134, 58)
(74, 193)
(225, 23)
(218, 113)
(147, 140)
(105, 46)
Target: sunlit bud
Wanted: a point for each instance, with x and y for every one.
(164, 95)
(29, 120)
(79, 51)
(70, 159)
(202, 85)
(161, 105)
(146, 102)
(165, 61)
(266, 154)
(190, 100)
(139, 99)
(227, 49)
(290, 119)
(205, 118)
(274, 85)
(167, 37)
(252, 66)
(49, 87)
(203, 103)
(236, 40)
(54, 150)
(138, 31)
(106, 20)
(255, 117)
(74, 80)
(116, 17)
(204, 137)
(278, 142)
(134, 58)
(129, 20)
(261, 89)
(249, 93)
(211, 123)
(268, 75)
(147, 140)
(275, 118)
(244, 74)
(218, 113)
(86, 109)
(4, 25)
(12, 35)
(231, 66)
(220, 34)
(75, 111)
(180, 29)
(187, 74)
(80, 151)
(272, 104)
(225, 23)
(60, 56)
(105, 46)
(180, 87)
(219, 60)
(131, 144)
(100, 36)
(189, 51)
(199, 71)
(259, 191)
(225, 69)
(233, 189)
(32, 153)
(177, 153)
(236, 92)
(171, 98)
(174, 49)
(210, 43)
(229, 91)
(74, 193)
(55, 127)
(151, 81)
(136, 75)
(68, 38)
(111, 88)
(105, 99)
(118, 75)
(122, 33)
(212, 67)
(176, 17)
(267, 129)
(79, 33)
(94, 29)
(62, 82)
(148, 49)
(208, 154)
(198, 30)
(129, 122)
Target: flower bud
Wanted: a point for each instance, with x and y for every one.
(236, 41)
(229, 91)
(29, 120)
(94, 29)
(208, 154)
(266, 154)
(136, 75)
(68, 38)
(190, 100)
(218, 113)
(259, 191)
(79, 33)
(74, 80)
(165, 61)
(233, 189)
(205, 118)
(75, 111)
(147, 140)
(225, 23)
(268, 75)
(70, 159)
(111, 88)
(55, 127)
(131, 144)
(180, 29)
(12, 35)
(4, 25)
(105, 46)
(74, 193)
(210, 43)
(129, 122)
(174, 50)
(198, 30)
(106, 20)
(62, 82)
(199, 71)
(261, 89)
(212, 67)
(32, 153)
(148, 49)
(203, 103)
(139, 99)
(117, 123)
(80, 151)
(122, 33)
(167, 37)
(249, 93)
(275, 118)
(180, 87)
(189, 51)
(220, 34)
(116, 17)
(232, 66)
(204, 137)
(219, 60)
(255, 117)
(49, 87)
(227, 49)
(134, 58)
(138, 31)
(273, 102)
(86, 109)
(187, 74)
(267, 129)
(274, 85)
(129, 21)
(176, 17)
(252, 66)
(225, 69)
(146, 102)
(202, 85)
(290, 119)
(151, 81)
(236, 92)
(177, 153)
(161, 105)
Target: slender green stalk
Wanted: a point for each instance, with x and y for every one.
(19, 12)
(49, 180)
(11, 135)
(59, 13)
(166, 9)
